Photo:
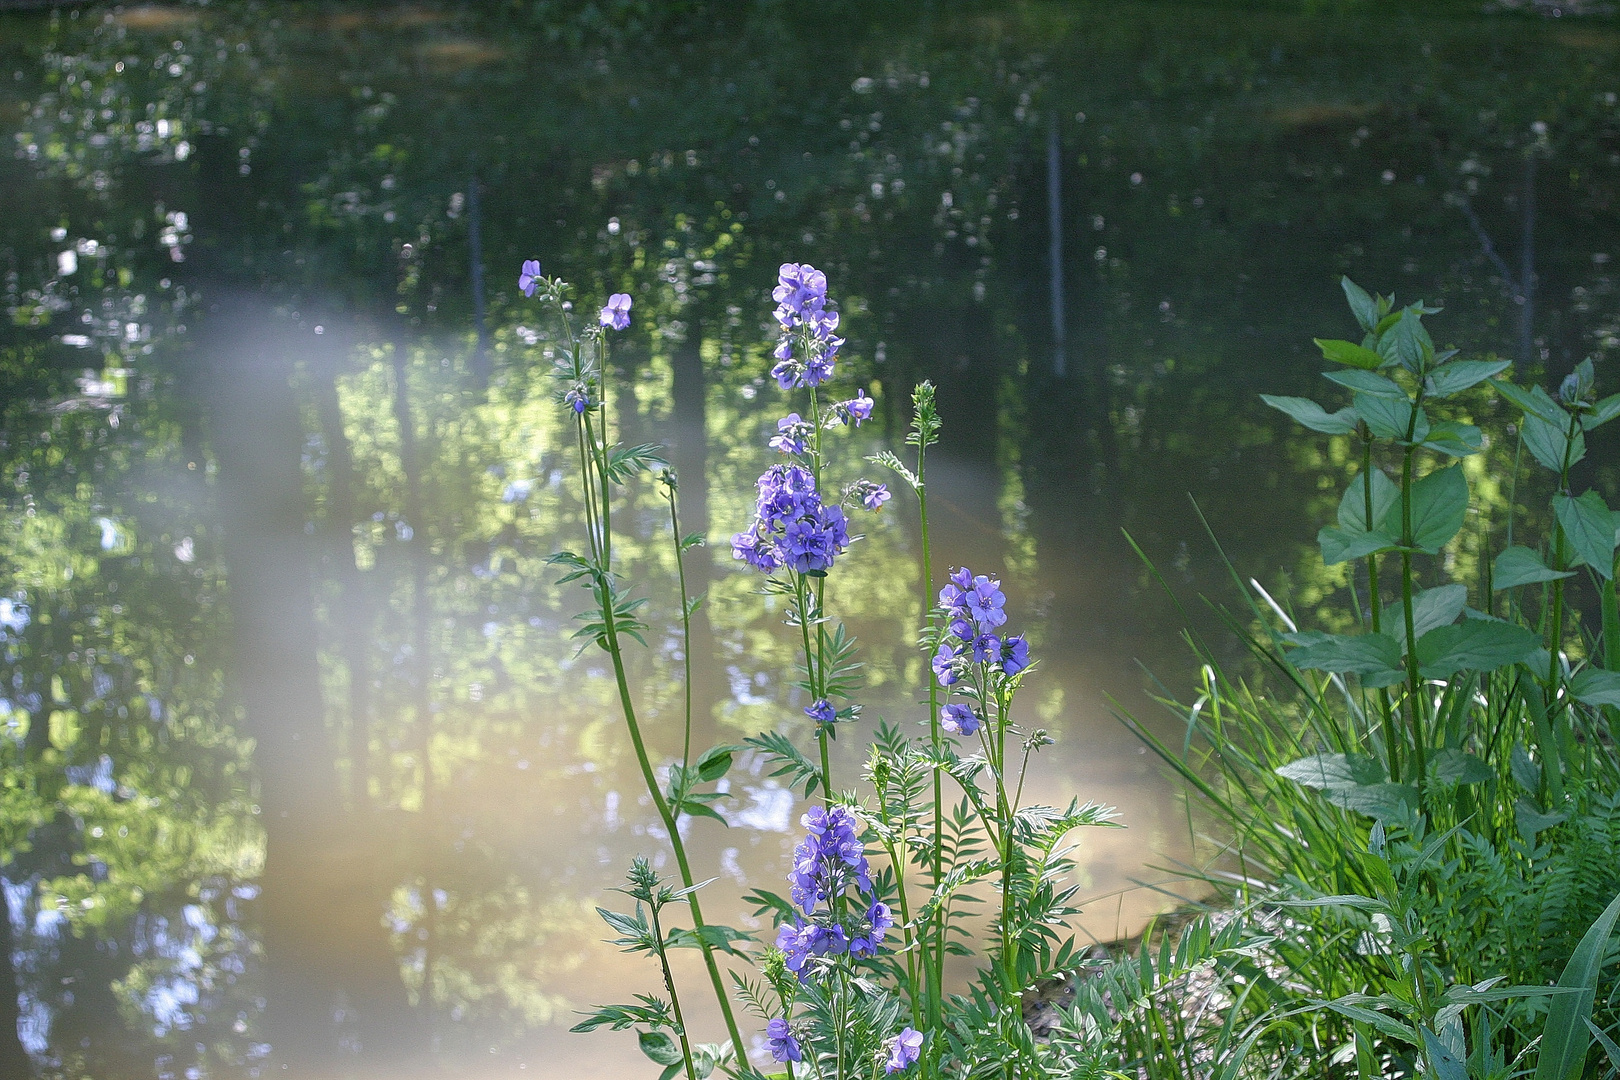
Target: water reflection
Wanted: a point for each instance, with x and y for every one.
(301, 767)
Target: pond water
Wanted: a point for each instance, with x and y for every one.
(303, 775)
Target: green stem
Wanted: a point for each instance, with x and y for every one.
(674, 999)
(1555, 632)
(1392, 741)
(686, 622)
(1413, 682)
(934, 964)
(594, 466)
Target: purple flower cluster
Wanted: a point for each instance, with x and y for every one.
(870, 495)
(793, 434)
(801, 311)
(827, 861)
(792, 527)
(784, 1047)
(975, 610)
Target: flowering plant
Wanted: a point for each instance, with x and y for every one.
(854, 983)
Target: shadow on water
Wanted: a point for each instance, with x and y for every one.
(304, 775)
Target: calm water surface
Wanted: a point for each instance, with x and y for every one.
(304, 776)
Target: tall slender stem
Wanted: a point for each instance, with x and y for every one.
(934, 964)
(594, 467)
(674, 998)
(686, 617)
(1413, 682)
(1555, 632)
(1392, 742)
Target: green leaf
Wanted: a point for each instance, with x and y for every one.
(1406, 342)
(1458, 375)
(1439, 505)
(1602, 412)
(716, 761)
(1534, 402)
(1382, 801)
(1521, 566)
(1447, 1066)
(1452, 766)
(1386, 495)
(625, 461)
(1431, 608)
(1596, 686)
(1347, 352)
(1590, 526)
(1548, 443)
(1564, 1039)
(887, 459)
(1342, 545)
(1473, 645)
(1530, 820)
(660, 1047)
(1365, 382)
(1321, 771)
(1454, 439)
(711, 934)
(1313, 416)
(1375, 657)
(1364, 307)
(1611, 1049)
(1389, 419)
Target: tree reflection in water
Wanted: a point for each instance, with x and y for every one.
(300, 767)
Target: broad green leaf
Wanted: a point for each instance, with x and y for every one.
(1381, 801)
(1447, 1066)
(1452, 766)
(1547, 442)
(1321, 771)
(1458, 375)
(1453, 438)
(1611, 1049)
(1431, 608)
(1590, 525)
(1313, 416)
(1348, 352)
(1406, 342)
(1534, 402)
(660, 1047)
(1342, 545)
(715, 761)
(1365, 382)
(1473, 645)
(1602, 412)
(1521, 566)
(1364, 307)
(1596, 686)
(1531, 821)
(1353, 506)
(1564, 1039)
(1439, 505)
(1388, 418)
(1375, 657)
(1524, 768)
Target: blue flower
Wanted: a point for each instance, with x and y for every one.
(945, 665)
(792, 527)
(986, 647)
(801, 306)
(784, 1047)
(878, 919)
(857, 408)
(874, 496)
(617, 312)
(822, 712)
(529, 277)
(904, 1051)
(831, 853)
(1014, 654)
(986, 602)
(578, 398)
(959, 719)
(792, 433)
